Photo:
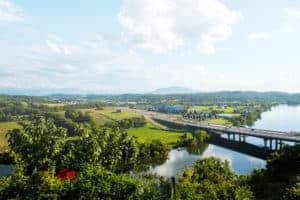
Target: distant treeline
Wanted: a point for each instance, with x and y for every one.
(199, 98)
(17, 107)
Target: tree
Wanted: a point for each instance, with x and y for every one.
(94, 182)
(38, 144)
(200, 136)
(78, 116)
(281, 178)
(212, 179)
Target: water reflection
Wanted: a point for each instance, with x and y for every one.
(280, 118)
(179, 159)
(6, 170)
(197, 149)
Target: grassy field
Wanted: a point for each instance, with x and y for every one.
(4, 128)
(109, 114)
(228, 109)
(113, 114)
(220, 121)
(143, 134)
(54, 104)
(151, 132)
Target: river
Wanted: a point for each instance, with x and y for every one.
(281, 118)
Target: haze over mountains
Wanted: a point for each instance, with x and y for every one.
(159, 91)
(174, 90)
(70, 91)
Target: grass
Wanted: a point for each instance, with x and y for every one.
(113, 114)
(220, 121)
(4, 128)
(109, 114)
(54, 104)
(151, 132)
(60, 113)
(143, 134)
(227, 110)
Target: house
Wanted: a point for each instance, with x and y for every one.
(169, 108)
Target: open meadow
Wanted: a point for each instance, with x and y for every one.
(151, 132)
(143, 134)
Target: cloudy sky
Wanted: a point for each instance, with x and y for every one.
(141, 45)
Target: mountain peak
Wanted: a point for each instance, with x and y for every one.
(174, 90)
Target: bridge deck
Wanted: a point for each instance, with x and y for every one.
(261, 133)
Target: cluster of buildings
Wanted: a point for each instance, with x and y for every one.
(197, 115)
(166, 108)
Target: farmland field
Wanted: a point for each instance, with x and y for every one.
(109, 114)
(228, 109)
(219, 121)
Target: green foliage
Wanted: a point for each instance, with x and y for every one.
(194, 143)
(16, 108)
(78, 116)
(103, 156)
(41, 147)
(211, 178)
(38, 144)
(73, 128)
(292, 193)
(200, 136)
(243, 193)
(41, 185)
(212, 169)
(153, 153)
(96, 183)
(5, 127)
(281, 178)
(151, 132)
(134, 122)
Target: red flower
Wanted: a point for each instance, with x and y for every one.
(65, 174)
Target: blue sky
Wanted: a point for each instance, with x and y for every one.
(141, 45)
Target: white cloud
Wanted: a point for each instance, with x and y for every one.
(58, 64)
(293, 12)
(9, 12)
(258, 36)
(164, 25)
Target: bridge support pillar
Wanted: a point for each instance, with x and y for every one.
(234, 137)
(276, 144)
(280, 144)
(228, 136)
(265, 142)
(244, 138)
(271, 144)
(240, 138)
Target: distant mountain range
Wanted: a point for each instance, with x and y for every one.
(160, 91)
(38, 92)
(73, 91)
(54, 91)
(174, 90)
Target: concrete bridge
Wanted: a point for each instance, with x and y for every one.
(273, 140)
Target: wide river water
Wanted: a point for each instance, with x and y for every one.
(281, 118)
